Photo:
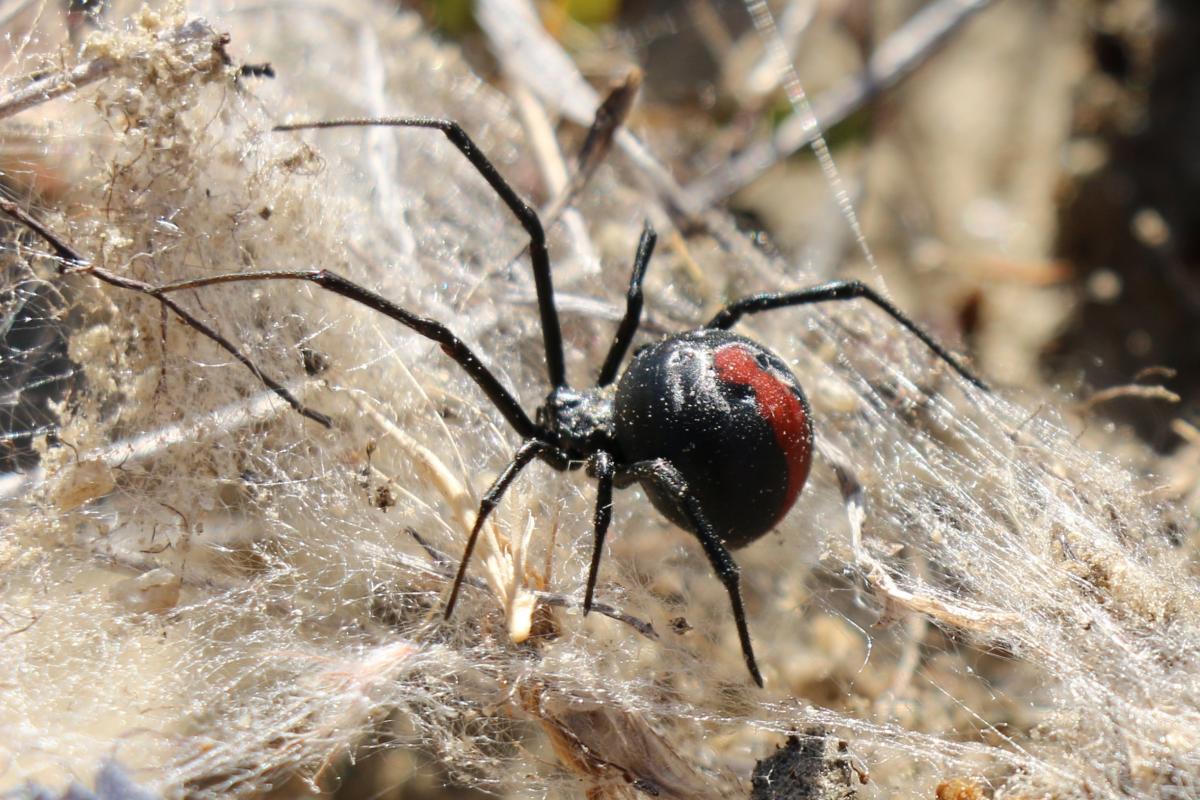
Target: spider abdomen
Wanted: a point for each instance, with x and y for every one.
(730, 416)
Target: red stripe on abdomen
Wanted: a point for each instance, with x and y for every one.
(779, 407)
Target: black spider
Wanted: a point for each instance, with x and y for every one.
(713, 425)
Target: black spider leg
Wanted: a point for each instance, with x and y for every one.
(75, 262)
(525, 214)
(633, 309)
(533, 447)
(602, 468)
(836, 290)
(666, 477)
(528, 451)
(452, 346)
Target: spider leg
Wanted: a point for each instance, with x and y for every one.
(525, 214)
(76, 262)
(836, 290)
(528, 451)
(633, 309)
(602, 469)
(666, 477)
(452, 346)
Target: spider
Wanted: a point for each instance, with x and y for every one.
(713, 426)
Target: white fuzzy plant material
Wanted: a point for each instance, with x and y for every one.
(217, 593)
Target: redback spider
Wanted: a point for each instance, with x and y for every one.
(713, 425)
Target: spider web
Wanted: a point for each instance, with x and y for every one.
(219, 594)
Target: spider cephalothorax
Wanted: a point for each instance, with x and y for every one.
(713, 425)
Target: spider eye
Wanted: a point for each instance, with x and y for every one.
(762, 360)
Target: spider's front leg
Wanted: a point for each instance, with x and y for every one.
(451, 345)
(527, 452)
(601, 466)
(660, 474)
(524, 212)
(633, 308)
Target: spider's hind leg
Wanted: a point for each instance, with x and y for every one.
(664, 476)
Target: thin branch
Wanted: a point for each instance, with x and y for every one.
(610, 118)
(894, 60)
(528, 52)
(75, 262)
(33, 620)
(254, 410)
(1134, 390)
(56, 84)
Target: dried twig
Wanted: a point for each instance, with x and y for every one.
(877, 577)
(73, 261)
(893, 61)
(1134, 390)
(531, 54)
(56, 84)
(254, 410)
(610, 116)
